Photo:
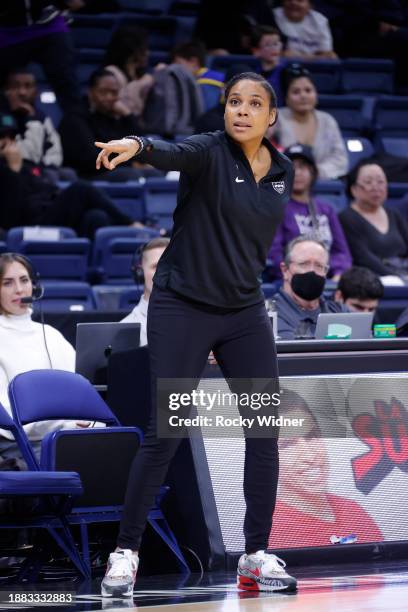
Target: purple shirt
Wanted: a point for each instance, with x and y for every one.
(13, 36)
(298, 221)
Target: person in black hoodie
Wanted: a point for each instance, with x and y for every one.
(29, 199)
(102, 116)
(207, 296)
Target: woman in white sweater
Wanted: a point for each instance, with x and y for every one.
(300, 122)
(24, 344)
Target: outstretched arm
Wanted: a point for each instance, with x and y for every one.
(188, 156)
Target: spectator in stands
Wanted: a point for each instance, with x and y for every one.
(309, 216)
(267, 46)
(300, 300)
(359, 289)
(300, 122)
(143, 270)
(28, 199)
(126, 57)
(377, 236)
(307, 32)
(191, 55)
(25, 345)
(38, 140)
(102, 116)
(37, 31)
(307, 512)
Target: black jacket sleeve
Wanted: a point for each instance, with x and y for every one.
(189, 156)
(12, 198)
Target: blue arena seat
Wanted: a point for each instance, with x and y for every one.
(3, 247)
(326, 75)
(348, 112)
(162, 30)
(54, 394)
(114, 248)
(398, 197)
(332, 192)
(146, 6)
(65, 296)
(368, 76)
(129, 298)
(223, 62)
(61, 258)
(357, 149)
(390, 116)
(394, 146)
(129, 197)
(161, 199)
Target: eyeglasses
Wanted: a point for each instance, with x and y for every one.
(368, 184)
(307, 266)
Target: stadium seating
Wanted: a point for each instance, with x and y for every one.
(348, 112)
(62, 257)
(357, 149)
(129, 197)
(114, 248)
(326, 75)
(55, 490)
(332, 192)
(66, 296)
(374, 76)
(160, 198)
(391, 116)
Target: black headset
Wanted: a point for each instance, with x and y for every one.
(136, 264)
(38, 289)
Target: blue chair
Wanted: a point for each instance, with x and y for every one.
(357, 149)
(129, 197)
(62, 258)
(161, 200)
(67, 296)
(397, 196)
(374, 76)
(64, 395)
(55, 492)
(326, 75)
(162, 29)
(114, 248)
(130, 297)
(390, 116)
(223, 62)
(348, 113)
(3, 247)
(332, 192)
(394, 146)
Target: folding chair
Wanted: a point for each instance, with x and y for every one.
(55, 492)
(42, 395)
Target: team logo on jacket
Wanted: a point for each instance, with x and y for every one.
(279, 186)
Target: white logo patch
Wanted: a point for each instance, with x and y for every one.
(279, 186)
(238, 180)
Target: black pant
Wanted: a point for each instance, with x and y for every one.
(181, 334)
(84, 208)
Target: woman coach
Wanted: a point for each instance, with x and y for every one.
(233, 189)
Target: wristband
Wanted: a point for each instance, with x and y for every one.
(139, 141)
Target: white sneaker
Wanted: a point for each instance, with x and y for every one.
(120, 574)
(263, 572)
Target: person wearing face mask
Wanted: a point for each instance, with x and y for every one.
(300, 300)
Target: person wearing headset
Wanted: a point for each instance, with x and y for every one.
(26, 345)
(143, 268)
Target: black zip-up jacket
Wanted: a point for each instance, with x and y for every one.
(224, 222)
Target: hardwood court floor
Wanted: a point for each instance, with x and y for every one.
(366, 588)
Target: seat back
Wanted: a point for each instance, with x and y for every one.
(161, 200)
(332, 192)
(91, 454)
(41, 395)
(66, 296)
(368, 76)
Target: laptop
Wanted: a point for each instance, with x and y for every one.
(95, 342)
(344, 326)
